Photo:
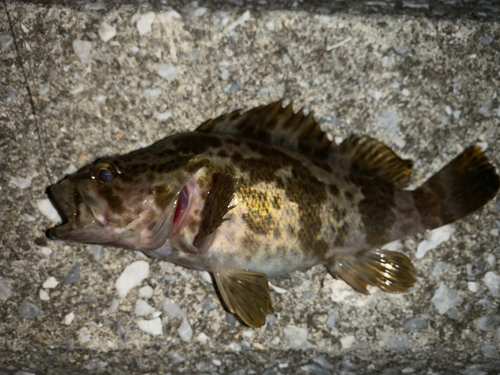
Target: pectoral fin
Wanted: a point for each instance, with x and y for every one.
(246, 294)
(389, 270)
(216, 206)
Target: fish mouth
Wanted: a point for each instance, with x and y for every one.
(60, 195)
(79, 223)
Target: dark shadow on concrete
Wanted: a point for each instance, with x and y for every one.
(484, 10)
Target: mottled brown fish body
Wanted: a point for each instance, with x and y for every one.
(259, 194)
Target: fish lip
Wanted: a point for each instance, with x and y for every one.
(60, 195)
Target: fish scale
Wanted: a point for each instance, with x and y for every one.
(259, 194)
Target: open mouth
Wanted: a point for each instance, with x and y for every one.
(60, 197)
(78, 221)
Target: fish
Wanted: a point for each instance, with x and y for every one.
(254, 195)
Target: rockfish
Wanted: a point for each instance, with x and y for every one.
(255, 195)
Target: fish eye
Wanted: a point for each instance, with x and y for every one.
(105, 175)
(105, 172)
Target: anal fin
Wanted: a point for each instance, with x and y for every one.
(246, 294)
(391, 271)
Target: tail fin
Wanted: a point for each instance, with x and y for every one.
(465, 185)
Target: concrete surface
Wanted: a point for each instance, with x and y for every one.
(424, 84)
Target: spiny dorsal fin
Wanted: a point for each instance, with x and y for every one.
(275, 125)
(371, 157)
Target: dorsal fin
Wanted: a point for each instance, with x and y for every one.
(275, 125)
(374, 159)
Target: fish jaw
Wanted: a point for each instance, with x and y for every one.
(81, 225)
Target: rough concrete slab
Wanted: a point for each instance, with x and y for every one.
(426, 86)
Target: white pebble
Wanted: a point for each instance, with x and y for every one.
(286, 59)
(84, 335)
(202, 338)
(152, 93)
(146, 292)
(171, 308)
(145, 22)
(142, 308)
(68, 318)
(473, 287)
(185, 331)
(28, 218)
(483, 145)
(152, 327)
(82, 49)
(44, 90)
(70, 169)
(489, 351)
(106, 31)
(114, 306)
(5, 42)
(492, 281)
(50, 283)
(296, 337)
(224, 73)
(132, 276)
(400, 143)
(168, 16)
(234, 347)
(405, 92)
(277, 289)
(347, 341)
(439, 268)
(491, 259)
(167, 267)
(399, 342)
(494, 232)
(44, 296)
(46, 250)
(100, 98)
(5, 291)
(167, 71)
(270, 26)
(445, 298)
(200, 12)
(184, 273)
(22, 183)
(243, 18)
(436, 237)
(48, 210)
(77, 89)
(388, 121)
(164, 116)
(206, 276)
(487, 322)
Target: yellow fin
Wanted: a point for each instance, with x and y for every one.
(371, 157)
(274, 124)
(246, 294)
(389, 270)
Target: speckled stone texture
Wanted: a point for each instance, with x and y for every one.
(421, 76)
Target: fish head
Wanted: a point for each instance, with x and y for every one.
(128, 201)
